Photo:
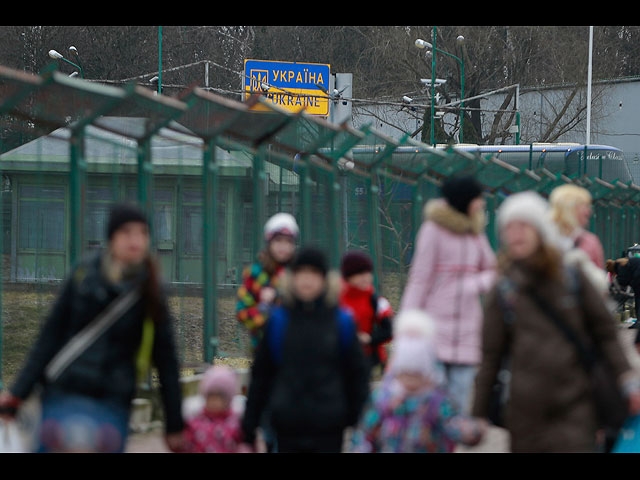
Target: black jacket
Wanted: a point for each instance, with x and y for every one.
(107, 369)
(629, 274)
(319, 386)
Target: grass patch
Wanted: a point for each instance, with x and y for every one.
(24, 311)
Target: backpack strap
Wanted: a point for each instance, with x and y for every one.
(277, 327)
(505, 289)
(346, 327)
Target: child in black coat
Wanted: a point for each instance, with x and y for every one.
(309, 369)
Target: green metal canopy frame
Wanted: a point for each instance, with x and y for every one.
(319, 152)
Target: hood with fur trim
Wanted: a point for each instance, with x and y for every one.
(440, 212)
(331, 293)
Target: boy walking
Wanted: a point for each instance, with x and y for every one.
(309, 368)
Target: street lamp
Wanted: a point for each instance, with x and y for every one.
(74, 52)
(460, 41)
(58, 56)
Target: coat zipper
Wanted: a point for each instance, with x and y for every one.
(457, 318)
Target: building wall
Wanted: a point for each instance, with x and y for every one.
(615, 115)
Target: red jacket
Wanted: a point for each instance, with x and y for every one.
(372, 315)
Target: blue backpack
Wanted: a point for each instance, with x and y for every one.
(277, 327)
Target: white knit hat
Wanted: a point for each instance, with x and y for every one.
(281, 223)
(414, 355)
(414, 348)
(532, 208)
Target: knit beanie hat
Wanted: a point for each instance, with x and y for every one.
(124, 213)
(414, 355)
(281, 223)
(460, 191)
(355, 262)
(533, 209)
(220, 379)
(310, 257)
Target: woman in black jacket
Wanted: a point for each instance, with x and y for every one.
(86, 407)
(310, 370)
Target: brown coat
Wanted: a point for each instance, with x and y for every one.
(550, 409)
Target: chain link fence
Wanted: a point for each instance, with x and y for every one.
(209, 171)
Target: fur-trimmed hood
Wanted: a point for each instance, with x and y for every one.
(440, 212)
(331, 294)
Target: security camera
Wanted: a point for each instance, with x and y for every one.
(407, 99)
(427, 81)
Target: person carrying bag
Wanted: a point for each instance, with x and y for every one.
(85, 360)
(552, 405)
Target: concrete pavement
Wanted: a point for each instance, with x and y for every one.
(496, 441)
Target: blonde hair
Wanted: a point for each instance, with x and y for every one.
(563, 201)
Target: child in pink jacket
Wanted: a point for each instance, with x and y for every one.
(453, 264)
(216, 429)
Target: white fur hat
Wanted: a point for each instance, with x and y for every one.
(532, 208)
(414, 345)
(413, 323)
(281, 223)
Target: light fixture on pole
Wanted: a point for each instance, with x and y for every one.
(460, 41)
(589, 74)
(58, 56)
(74, 54)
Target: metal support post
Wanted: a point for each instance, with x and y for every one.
(374, 232)
(258, 199)
(210, 234)
(77, 171)
(145, 190)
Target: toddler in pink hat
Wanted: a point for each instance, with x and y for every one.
(216, 429)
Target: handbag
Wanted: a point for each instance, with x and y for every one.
(144, 355)
(28, 415)
(11, 440)
(628, 441)
(611, 405)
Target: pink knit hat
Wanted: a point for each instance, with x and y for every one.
(220, 379)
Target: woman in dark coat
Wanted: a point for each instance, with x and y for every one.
(93, 394)
(550, 407)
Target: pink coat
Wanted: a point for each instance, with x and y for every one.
(453, 264)
(214, 433)
(590, 243)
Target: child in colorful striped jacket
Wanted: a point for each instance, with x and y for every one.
(259, 281)
(410, 410)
